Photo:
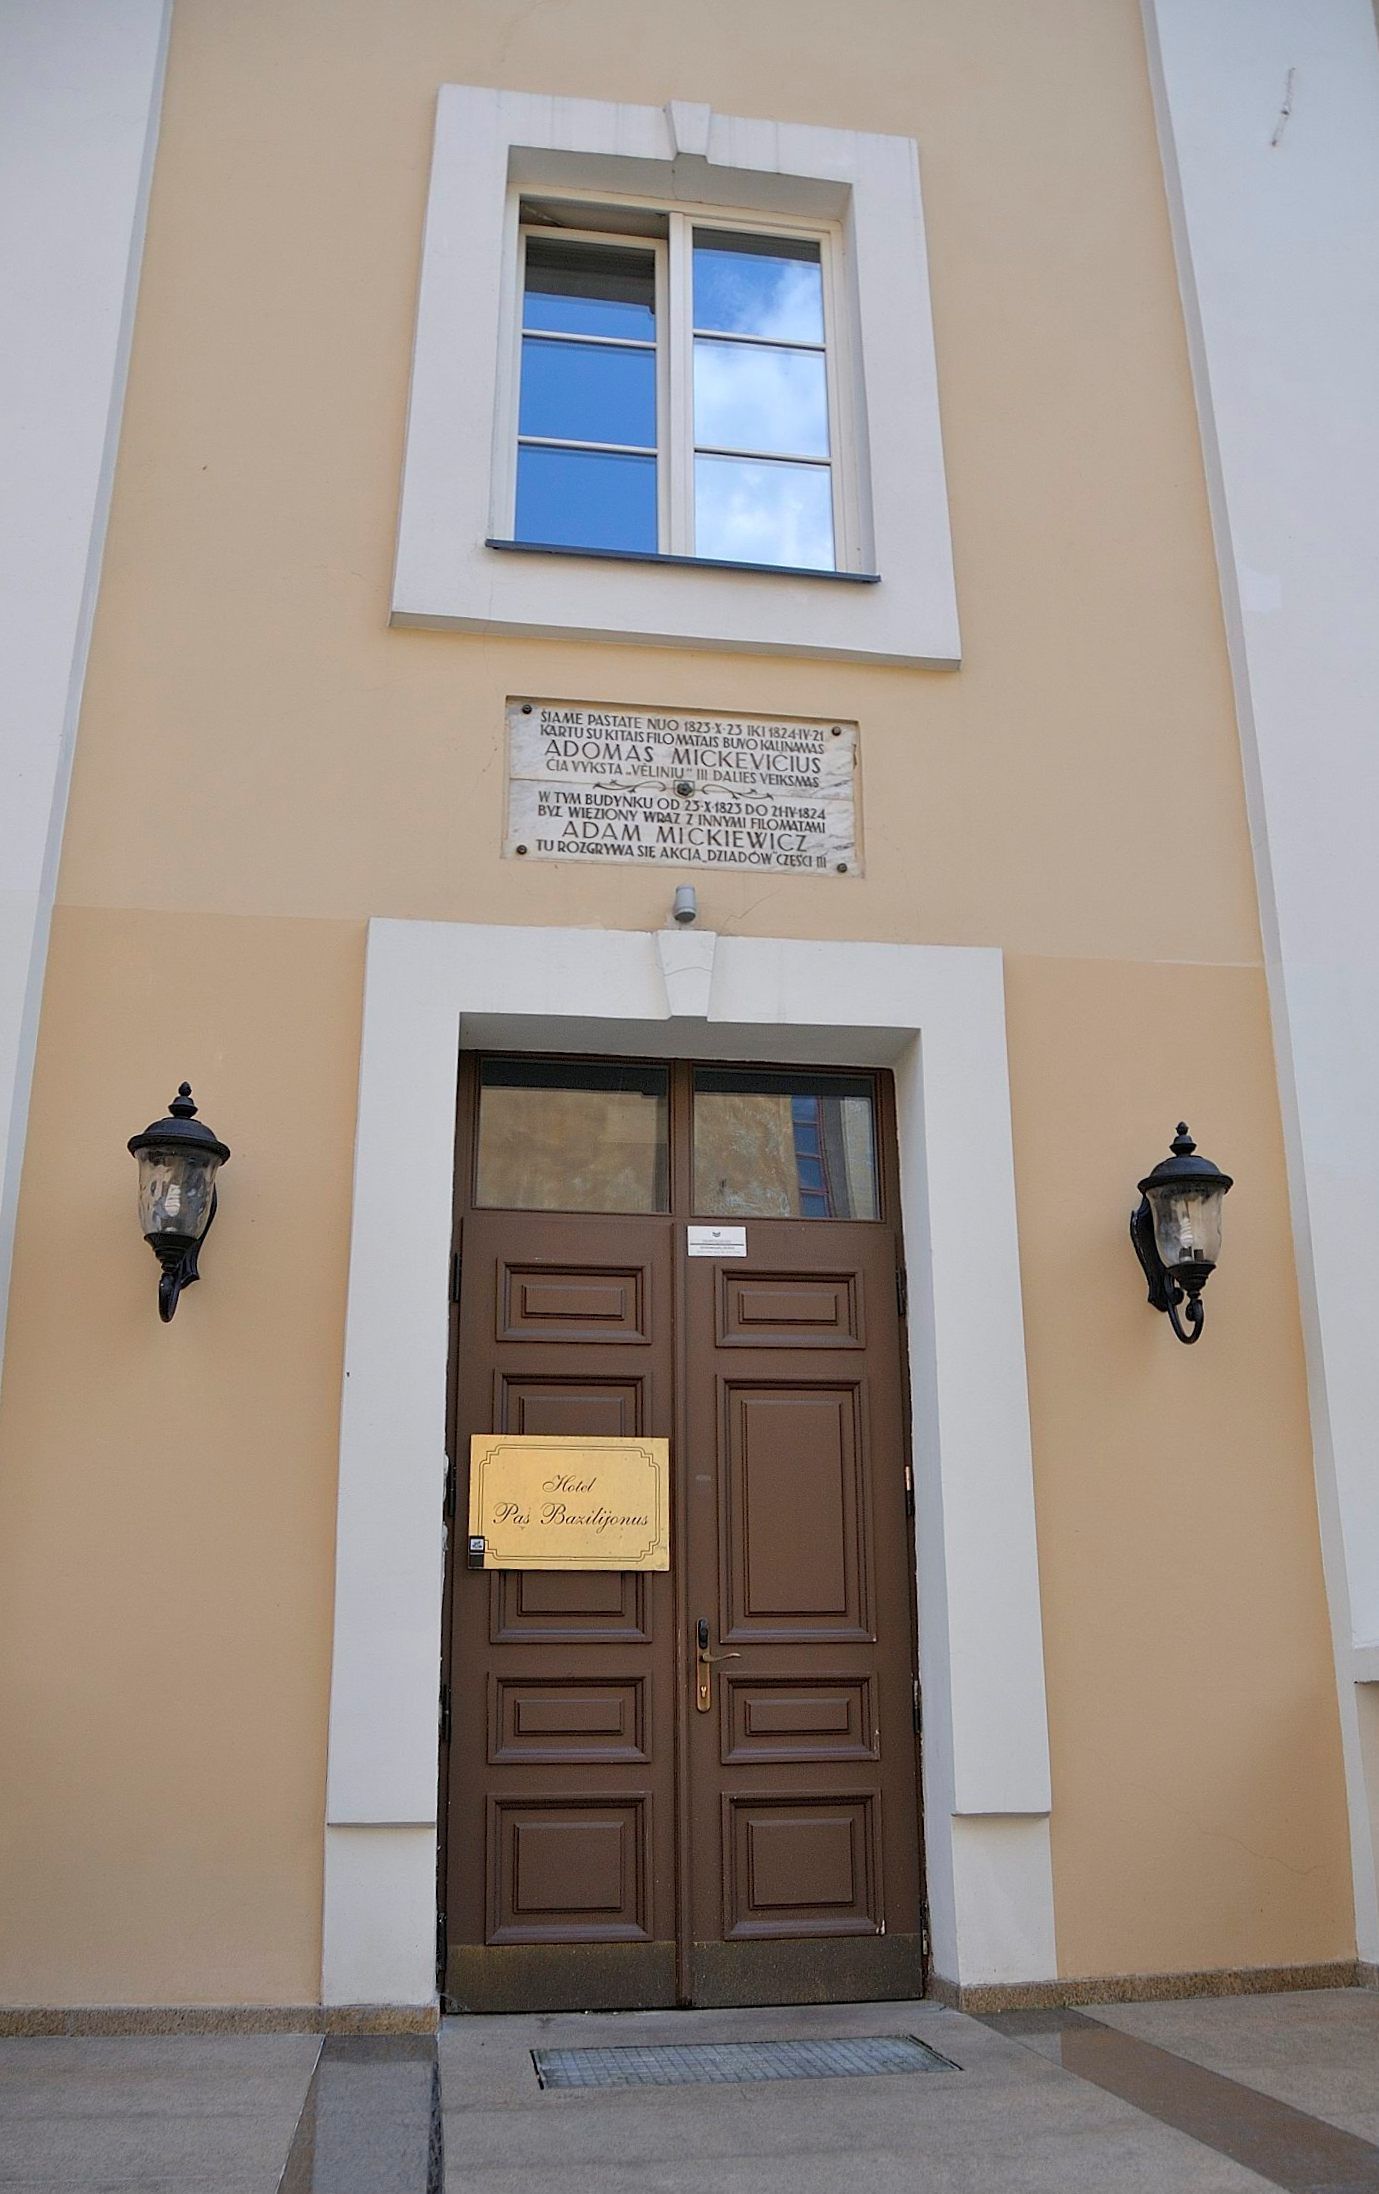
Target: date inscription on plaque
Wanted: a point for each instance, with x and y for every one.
(615, 785)
(539, 1502)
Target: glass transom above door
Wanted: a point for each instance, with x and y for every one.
(595, 1136)
(573, 1135)
(784, 1145)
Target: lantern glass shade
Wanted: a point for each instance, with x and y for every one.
(175, 1188)
(1187, 1221)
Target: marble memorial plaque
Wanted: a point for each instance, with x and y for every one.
(614, 785)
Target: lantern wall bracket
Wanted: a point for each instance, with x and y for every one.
(179, 1265)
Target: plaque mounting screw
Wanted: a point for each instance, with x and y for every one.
(842, 868)
(526, 708)
(684, 788)
(837, 731)
(521, 849)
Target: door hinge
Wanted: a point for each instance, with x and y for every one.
(902, 1291)
(909, 1489)
(443, 1715)
(919, 1711)
(454, 1276)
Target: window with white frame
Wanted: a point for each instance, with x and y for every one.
(697, 349)
(676, 390)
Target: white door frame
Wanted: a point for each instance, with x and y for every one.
(936, 1015)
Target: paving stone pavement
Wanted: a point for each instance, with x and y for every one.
(1291, 2082)
(160, 2114)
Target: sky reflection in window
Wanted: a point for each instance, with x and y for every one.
(754, 513)
(748, 396)
(758, 285)
(574, 498)
(587, 392)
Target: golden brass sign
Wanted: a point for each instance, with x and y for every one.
(539, 1502)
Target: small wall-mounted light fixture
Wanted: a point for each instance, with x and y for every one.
(686, 903)
(178, 1162)
(1176, 1230)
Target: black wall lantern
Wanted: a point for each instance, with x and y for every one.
(178, 1162)
(1176, 1230)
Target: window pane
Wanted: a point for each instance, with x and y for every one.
(763, 513)
(749, 397)
(784, 1146)
(758, 285)
(575, 498)
(560, 1135)
(590, 289)
(580, 392)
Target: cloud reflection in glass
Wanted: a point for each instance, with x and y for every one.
(763, 513)
(760, 393)
(749, 396)
(758, 285)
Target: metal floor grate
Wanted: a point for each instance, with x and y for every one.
(678, 2064)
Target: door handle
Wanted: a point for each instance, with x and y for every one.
(703, 1662)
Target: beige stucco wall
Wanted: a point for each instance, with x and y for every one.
(1198, 1806)
(167, 1493)
(263, 764)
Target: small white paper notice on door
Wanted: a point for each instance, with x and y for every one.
(717, 1241)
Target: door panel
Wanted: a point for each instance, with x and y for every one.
(560, 1884)
(795, 1718)
(581, 1773)
(572, 1869)
(572, 1304)
(793, 1554)
(801, 1866)
(536, 1720)
(571, 1408)
(789, 1310)
(804, 1846)
(588, 1606)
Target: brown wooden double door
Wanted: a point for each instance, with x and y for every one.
(626, 1823)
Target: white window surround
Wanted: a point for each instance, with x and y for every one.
(492, 145)
(935, 1014)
